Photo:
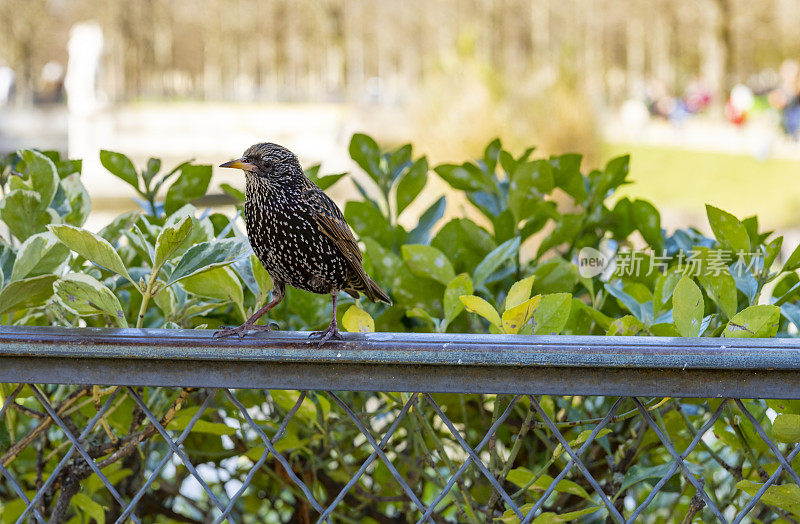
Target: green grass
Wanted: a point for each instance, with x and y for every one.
(683, 181)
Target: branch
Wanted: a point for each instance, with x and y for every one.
(17, 448)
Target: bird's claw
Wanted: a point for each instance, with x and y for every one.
(326, 335)
(243, 330)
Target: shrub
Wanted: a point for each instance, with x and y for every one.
(172, 265)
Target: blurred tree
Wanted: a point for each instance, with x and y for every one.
(322, 50)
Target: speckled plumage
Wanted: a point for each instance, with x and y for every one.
(298, 233)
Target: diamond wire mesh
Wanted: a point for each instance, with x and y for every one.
(429, 464)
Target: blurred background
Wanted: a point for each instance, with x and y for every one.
(703, 94)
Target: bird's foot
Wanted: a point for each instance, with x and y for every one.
(326, 335)
(244, 329)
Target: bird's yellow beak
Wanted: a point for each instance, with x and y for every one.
(239, 163)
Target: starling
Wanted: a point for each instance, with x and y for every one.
(299, 235)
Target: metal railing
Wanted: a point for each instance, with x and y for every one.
(522, 367)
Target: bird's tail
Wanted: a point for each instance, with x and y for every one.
(374, 291)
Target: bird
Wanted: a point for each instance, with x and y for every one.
(299, 235)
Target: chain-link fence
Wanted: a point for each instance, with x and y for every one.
(182, 447)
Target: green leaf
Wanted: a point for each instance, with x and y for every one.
(665, 287)
(728, 230)
(428, 262)
(202, 230)
(263, 279)
(465, 242)
(745, 281)
(459, 177)
(366, 153)
(398, 160)
(548, 517)
(567, 229)
(411, 184)
(232, 192)
(522, 476)
(90, 508)
(80, 203)
(140, 244)
(552, 314)
(153, 167)
(687, 303)
(786, 427)
(85, 295)
(491, 154)
(190, 185)
(356, 320)
(20, 210)
(504, 225)
(170, 239)
(367, 221)
(648, 222)
(286, 399)
(185, 415)
(721, 289)
(567, 175)
(793, 262)
(38, 255)
(476, 304)
(626, 326)
(771, 251)
(166, 301)
(13, 509)
(91, 247)
(782, 405)
(630, 295)
(754, 322)
(664, 329)
(502, 253)
(324, 182)
(26, 293)
(611, 177)
(423, 315)
(219, 283)
(113, 231)
(383, 264)
(43, 176)
(599, 318)
(637, 473)
(784, 496)
(516, 317)
(582, 437)
(419, 235)
(520, 292)
(528, 182)
(120, 166)
(460, 285)
(556, 275)
(207, 256)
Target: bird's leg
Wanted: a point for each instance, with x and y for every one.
(333, 328)
(278, 293)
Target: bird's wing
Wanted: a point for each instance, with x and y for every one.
(332, 224)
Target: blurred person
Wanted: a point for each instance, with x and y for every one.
(7, 79)
(740, 101)
(52, 83)
(697, 96)
(790, 94)
(790, 119)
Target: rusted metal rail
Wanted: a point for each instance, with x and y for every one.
(559, 365)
